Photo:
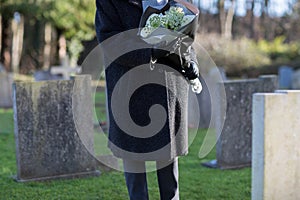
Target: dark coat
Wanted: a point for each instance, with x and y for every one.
(114, 17)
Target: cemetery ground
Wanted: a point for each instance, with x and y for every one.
(196, 181)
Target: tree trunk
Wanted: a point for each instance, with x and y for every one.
(263, 20)
(229, 21)
(6, 44)
(17, 43)
(62, 52)
(222, 16)
(252, 22)
(47, 46)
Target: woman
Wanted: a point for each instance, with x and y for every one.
(134, 146)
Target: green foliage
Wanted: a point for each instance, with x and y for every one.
(174, 17)
(30, 8)
(241, 54)
(233, 55)
(279, 50)
(74, 18)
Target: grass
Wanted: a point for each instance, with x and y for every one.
(100, 110)
(6, 120)
(196, 182)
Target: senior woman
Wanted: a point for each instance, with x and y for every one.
(112, 18)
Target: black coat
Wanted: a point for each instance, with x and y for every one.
(112, 18)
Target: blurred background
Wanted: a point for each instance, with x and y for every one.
(245, 37)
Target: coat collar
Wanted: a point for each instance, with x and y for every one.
(137, 3)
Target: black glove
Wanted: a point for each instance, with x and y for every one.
(172, 60)
(181, 62)
(191, 70)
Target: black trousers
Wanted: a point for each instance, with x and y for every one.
(136, 179)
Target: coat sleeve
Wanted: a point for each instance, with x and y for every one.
(108, 24)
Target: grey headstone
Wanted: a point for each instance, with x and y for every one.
(6, 81)
(49, 144)
(2, 68)
(65, 71)
(285, 77)
(235, 141)
(43, 75)
(296, 80)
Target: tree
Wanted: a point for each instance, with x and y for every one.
(72, 18)
(226, 18)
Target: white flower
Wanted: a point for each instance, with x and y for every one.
(173, 19)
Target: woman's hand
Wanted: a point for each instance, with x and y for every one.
(196, 85)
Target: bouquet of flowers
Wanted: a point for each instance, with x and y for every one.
(173, 19)
(173, 25)
(166, 24)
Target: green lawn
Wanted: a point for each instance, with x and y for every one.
(196, 182)
(100, 111)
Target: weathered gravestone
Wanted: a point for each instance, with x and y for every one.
(49, 144)
(285, 77)
(275, 144)
(234, 142)
(296, 80)
(6, 81)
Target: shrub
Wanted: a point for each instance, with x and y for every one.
(280, 51)
(233, 55)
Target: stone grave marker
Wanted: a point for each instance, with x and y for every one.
(296, 80)
(6, 81)
(234, 143)
(49, 144)
(275, 146)
(65, 71)
(45, 75)
(285, 77)
(2, 68)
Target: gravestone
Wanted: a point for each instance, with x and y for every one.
(285, 77)
(54, 129)
(296, 80)
(65, 71)
(276, 141)
(234, 143)
(2, 68)
(6, 81)
(45, 75)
